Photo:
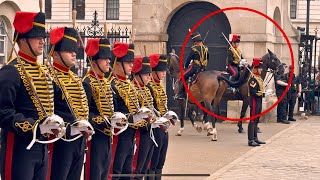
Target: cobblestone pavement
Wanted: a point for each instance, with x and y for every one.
(294, 153)
(195, 153)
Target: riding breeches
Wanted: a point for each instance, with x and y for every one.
(255, 109)
(160, 152)
(233, 70)
(67, 159)
(19, 163)
(98, 157)
(193, 69)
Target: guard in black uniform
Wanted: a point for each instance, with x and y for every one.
(281, 81)
(197, 60)
(256, 93)
(159, 67)
(293, 93)
(68, 157)
(21, 107)
(126, 101)
(141, 71)
(100, 99)
(233, 61)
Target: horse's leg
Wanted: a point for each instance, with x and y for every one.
(215, 107)
(244, 108)
(192, 115)
(181, 117)
(207, 119)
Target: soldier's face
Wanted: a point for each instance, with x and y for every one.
(161, 74)
(259, 70)
(104, 64)
(127, 67)
(235, 44)
(146, 78)
(35, 43)
(69, 58)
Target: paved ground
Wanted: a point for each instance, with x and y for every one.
(292, 152)
(194, 153)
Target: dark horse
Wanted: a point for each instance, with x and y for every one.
(211, 86)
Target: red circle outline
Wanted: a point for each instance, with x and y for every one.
(186, 41)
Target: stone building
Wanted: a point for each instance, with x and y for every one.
(168, 22)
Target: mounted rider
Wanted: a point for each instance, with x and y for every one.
(234, 59)
(197, 60)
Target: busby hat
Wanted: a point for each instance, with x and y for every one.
(158, 62)
(98, 48)
(141, 65)
(29, 25)
(64, 39)
(123, 52)
(235, 38)
(196, 36)
(257, 63)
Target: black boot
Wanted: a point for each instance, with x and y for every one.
(150, 172)
(253, 143)
(158, 172)
(258, 141)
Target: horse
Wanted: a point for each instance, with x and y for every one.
(210, 87)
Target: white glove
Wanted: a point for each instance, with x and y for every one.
(82, 127)
(161, 121)
(269, 92)
(143, 114)
(243, 62)
(53, 122)
(172, 117)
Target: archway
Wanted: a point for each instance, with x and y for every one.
(211, 29)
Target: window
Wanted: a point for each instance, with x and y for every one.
(79, 5)
(48, 9)
(293, 9)
(112, 10)
(3, 45)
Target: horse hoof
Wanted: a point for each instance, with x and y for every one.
(214, 138)
(241, 130)
(178, 134)
(210, 132)
(199, 129)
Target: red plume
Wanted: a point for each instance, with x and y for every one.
(56, 35)
(154, 60)
(92, 47)
(23, 21)
(120, 49)
(137, 64)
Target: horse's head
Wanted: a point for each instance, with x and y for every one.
(173, 65)
(271, 61)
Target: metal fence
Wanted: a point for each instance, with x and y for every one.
(93, 31)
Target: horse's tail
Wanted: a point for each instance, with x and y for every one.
(243, 78)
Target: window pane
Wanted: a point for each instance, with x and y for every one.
(293, 9)
(2, 47)
(112, 9)
(2, 60)
(48, 8)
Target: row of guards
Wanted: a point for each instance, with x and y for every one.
(52, 121)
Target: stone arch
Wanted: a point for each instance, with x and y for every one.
(185, 17)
